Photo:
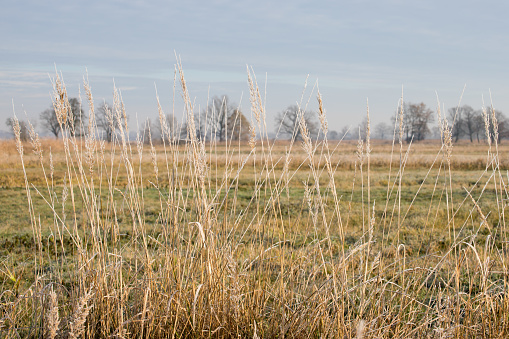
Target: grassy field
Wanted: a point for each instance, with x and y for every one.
(259, 239)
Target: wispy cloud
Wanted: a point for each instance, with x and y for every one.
(16, 80)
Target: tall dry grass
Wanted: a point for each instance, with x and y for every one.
(211, 267)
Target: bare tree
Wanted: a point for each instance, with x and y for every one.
(23, 128)
(382, 130)
(362, 129)
(216, 116)
(470, 122)
(333, 135)
(416, 119)
(455, 120)
(149, 132)
(199, 125)
(345, 133)
(238, 126)
(50, 121)
(479, 121)
(288, 121)
(77, 117)
(105, 121)
(74, 123)
(169, 126)
(502, 125)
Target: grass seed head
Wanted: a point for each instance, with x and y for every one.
(52, 317)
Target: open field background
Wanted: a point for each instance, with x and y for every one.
(262, 239)
(424, 179)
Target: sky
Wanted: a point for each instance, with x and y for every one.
(353, 51)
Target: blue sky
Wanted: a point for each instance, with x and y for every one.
(354, 49)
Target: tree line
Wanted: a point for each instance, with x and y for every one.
(222, 120)
(416, 125)
(464, 122)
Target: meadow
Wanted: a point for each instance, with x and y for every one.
(265, 238)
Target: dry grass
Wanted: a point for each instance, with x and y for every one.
(262, 240)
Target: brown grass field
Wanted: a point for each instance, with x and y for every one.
(260, 239)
